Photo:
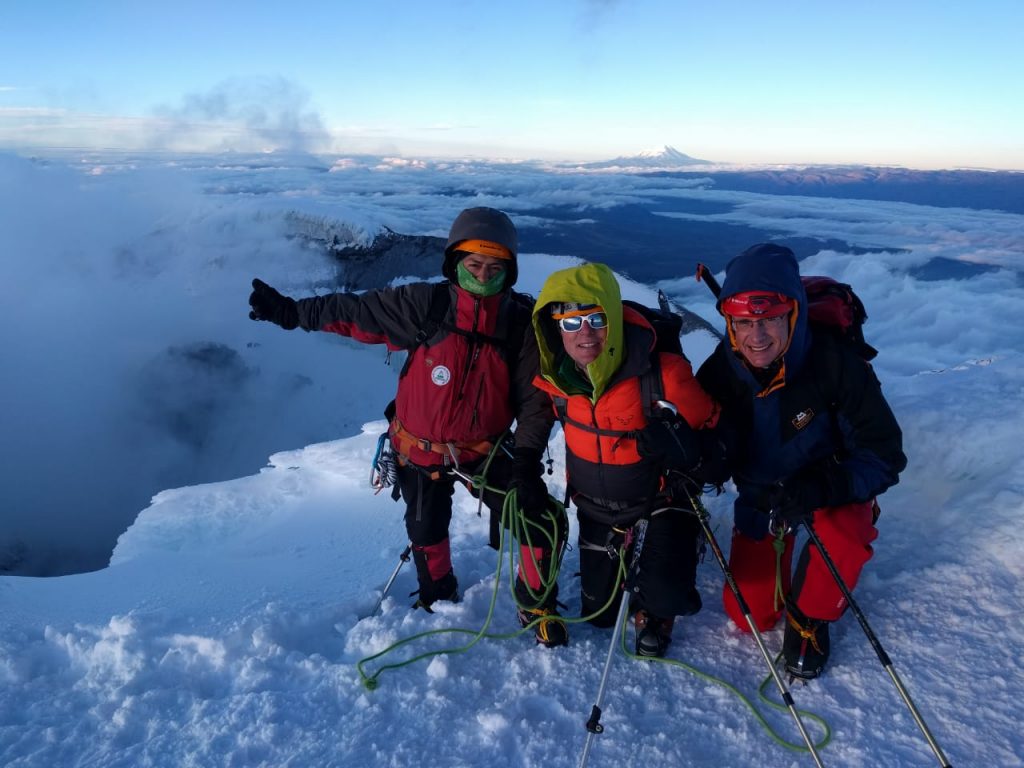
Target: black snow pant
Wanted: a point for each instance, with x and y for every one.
(428, 501)
(428, 513)
(667, 573)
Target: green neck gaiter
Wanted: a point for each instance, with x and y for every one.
(574, 381)
(469, 283)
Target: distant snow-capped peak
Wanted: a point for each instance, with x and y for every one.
(666, 153)
(664, 157)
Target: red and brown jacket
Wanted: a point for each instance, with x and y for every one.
(461, 386)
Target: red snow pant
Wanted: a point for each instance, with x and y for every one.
(846, 533)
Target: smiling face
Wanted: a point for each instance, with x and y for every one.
(585, 345)
(761, 341)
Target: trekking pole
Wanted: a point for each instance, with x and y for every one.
(873, 639)
(402, 560)
(787, 697)
(593, 725)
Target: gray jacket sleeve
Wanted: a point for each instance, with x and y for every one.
(389, 316)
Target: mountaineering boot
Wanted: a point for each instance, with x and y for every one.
(434, 573)
(446, 588)
(550, 631)
(805, 645)
(652, 634)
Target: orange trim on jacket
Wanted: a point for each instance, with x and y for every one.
(602, 460)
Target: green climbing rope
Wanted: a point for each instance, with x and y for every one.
(779, 545)
(521, 529)
(530, 533)
(778, 739)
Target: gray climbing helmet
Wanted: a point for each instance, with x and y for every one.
(481, 223)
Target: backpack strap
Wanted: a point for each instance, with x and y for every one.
(651, 386)
(512, 325)
(562, 412)
(440, 301)
(827, 358)
(520, 315)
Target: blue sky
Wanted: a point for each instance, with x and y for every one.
(921, 84)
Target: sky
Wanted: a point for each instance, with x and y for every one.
(916, 84)
(237, 625)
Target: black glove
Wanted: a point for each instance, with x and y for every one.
(684, 486)
(714, 460)
(797, 497)
(668, 440)
(268, 304)
(793, 502)
(531, 492)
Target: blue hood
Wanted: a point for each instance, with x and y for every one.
(771, 267)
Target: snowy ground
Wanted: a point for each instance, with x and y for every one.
(228, 628)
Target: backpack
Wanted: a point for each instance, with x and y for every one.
(666, 323)
(833, 307)
(667, 328)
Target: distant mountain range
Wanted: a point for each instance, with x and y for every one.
(957, 188)
(665, 158)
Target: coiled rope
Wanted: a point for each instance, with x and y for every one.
(517, 527)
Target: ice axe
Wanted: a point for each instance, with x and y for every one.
(705, 274)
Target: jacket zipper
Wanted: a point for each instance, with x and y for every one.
(474, 353)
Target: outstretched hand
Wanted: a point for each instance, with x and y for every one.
(267, 304)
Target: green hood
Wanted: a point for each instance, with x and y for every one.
(585, 284)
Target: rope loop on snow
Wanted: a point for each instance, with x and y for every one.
(525, 531)
(535, 535)
(730, 688)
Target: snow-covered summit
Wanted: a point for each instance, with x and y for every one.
(230, 626)
(661, 158)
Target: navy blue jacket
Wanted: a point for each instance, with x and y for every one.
(825, 412)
